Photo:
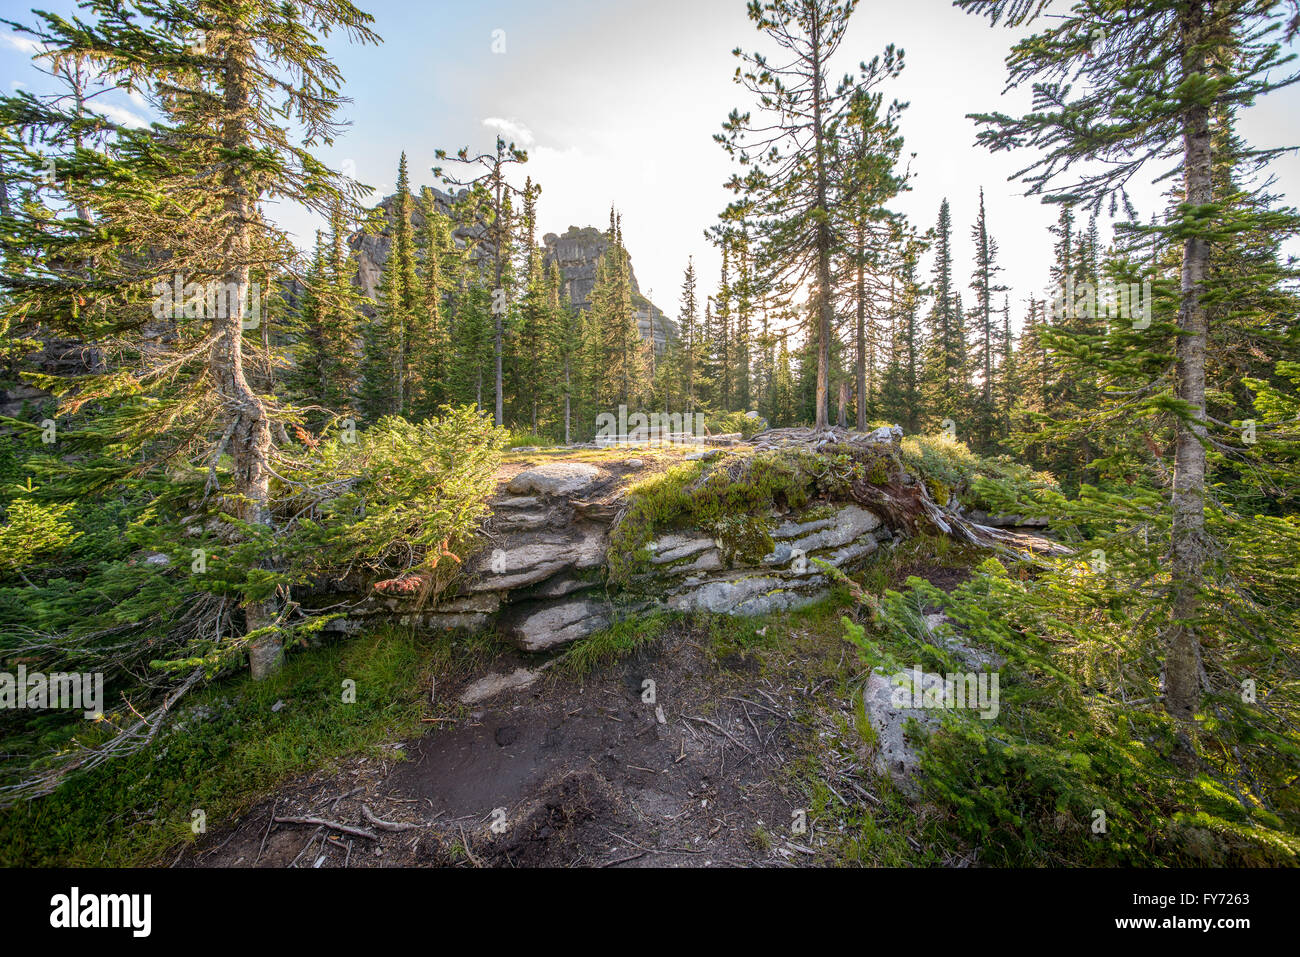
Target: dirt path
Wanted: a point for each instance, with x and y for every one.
(572, 771)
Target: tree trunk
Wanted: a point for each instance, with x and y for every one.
(823, 244)
(1188, 542)
(250, 437)
(862, 336)
(500, 409)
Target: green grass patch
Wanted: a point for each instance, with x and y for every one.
(226, 749)
(610, 644)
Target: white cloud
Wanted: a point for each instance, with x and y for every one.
(512, 130)
(20, 43)
(118, 114)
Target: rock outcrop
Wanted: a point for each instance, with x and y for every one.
(576, 253)
(568, 552)
(542, 580)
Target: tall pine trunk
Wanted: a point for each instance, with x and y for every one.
(862, 334)
(1188, 543)
(823, 244)
(250, 432)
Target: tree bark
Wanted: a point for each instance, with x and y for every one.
(1188, 543)
(823, 241)
(250, 436)
(862, 334)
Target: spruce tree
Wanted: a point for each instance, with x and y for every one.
(946, 370)
(221, 79)
(491, 197)
(787, 152)
(1149, 76)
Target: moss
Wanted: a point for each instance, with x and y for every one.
(938, 491)
(818, 513)
(744, 539)
(728, 499)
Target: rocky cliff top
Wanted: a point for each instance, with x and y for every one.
(576, 252)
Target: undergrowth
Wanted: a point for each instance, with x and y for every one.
(230, 745)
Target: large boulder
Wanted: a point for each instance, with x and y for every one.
(542, 625)
(555, 478)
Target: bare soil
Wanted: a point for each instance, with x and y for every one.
(574, 772)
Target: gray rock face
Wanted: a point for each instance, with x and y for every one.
(555, 478)
(530, 563)
(539, 579)
(493, 684)
(547, 624)
(849, 523)
(747, 595)
(896, 753)
(890, 700)
(576, 253)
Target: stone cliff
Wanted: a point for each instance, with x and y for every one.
(576, 253)
(570, 548)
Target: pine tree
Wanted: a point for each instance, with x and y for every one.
(787, 153)
(988, 333)
(871, 148)
(688, 324)
(386, 365)
(566, 344)
(615, 361)
(946, 373)
(532, 365)
(1147, 84)
(431, 340)
(491, 197)
(220, 103)
(902, 400)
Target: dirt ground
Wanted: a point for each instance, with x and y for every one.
(575, 772)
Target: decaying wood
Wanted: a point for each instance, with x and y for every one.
(334, 825)
(383, 825)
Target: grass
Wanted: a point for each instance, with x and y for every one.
(227, 749)
(610, 645)
(524, 438)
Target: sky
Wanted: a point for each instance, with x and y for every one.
(617, 103)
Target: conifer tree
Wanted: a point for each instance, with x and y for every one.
(901, 396)
(1149, 76)
(386, 365)
(988, 333)
(787, 152)
(870, 149)
(689, 332)
(566, 344)
(431, 340)
(221, 78)
(491, 197)
(946, 371)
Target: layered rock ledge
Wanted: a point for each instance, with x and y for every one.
(554, 568)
